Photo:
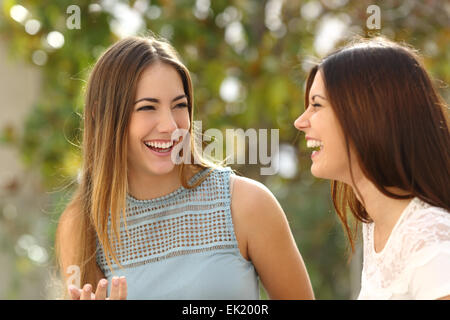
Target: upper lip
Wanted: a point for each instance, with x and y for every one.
(160, 141)
(311, 138)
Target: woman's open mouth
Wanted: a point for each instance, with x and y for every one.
(316, 144)
(162, 148)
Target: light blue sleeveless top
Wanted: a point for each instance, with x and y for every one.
(183, 246)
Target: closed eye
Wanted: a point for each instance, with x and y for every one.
(143, 108)
(181, 105)
(316, 105)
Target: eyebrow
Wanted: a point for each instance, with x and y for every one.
(157, 100)
(317, 95)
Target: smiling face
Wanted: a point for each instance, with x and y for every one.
(324, 134)
(161, 107)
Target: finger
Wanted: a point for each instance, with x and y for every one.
(114, 295)
(86, 292)
(74, 292)
(122, 288)
(102, 287)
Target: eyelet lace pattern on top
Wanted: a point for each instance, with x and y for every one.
(421, 233)
(184, 222)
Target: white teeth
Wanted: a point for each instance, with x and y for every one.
(161, 145)
(314, 143)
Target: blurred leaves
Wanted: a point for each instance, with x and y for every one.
(218, 39)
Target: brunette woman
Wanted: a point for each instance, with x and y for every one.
(380, 133)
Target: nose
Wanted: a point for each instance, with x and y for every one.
(167, 123)
(302, 122)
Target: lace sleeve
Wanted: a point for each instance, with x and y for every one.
(432, 280)
(415, 262)
(429, 254)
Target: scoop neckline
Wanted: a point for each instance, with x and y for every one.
(399, 220)
(169, 195)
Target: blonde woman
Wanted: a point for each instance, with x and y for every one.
(140, 226)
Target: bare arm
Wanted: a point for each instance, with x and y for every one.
(65, 245)
(269, 241)
(66, 241)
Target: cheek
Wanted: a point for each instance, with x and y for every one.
(333, 128)
(182, 119)
(336, 147)
(141, 124)
(133, 129)
(339, 143)
(132, 141)
(138, 128)
(356, 168)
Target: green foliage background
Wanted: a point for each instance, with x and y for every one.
(270, 69)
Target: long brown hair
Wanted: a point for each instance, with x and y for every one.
(395, 120)
(102, 189)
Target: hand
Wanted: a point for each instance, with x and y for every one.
(118, 290)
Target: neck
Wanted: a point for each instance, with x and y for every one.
(383, 210)
(148, 186)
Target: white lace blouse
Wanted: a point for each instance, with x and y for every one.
(415, 262)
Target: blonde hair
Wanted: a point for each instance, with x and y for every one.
(102, 189)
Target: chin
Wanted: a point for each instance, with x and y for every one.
(335, 175)
(320, 173)
(161, 169)
(317, 174)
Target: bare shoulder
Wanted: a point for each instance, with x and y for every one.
(245, 190)
(253, 199)
(269, 243)
(255, 209)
